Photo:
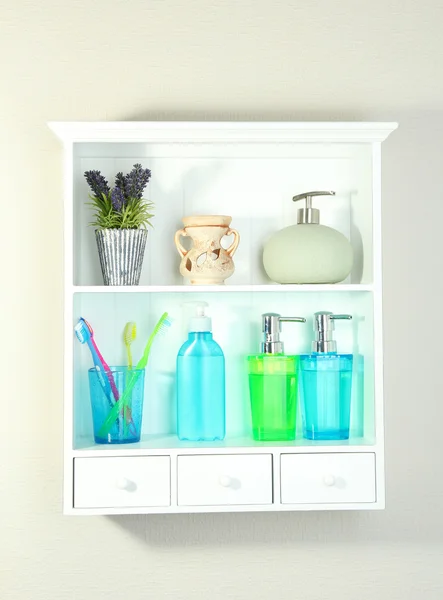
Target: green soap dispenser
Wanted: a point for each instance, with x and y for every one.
(308, 252)
(273, 384)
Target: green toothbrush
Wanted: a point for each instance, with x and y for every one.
(163, 325)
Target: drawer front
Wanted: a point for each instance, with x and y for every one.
(225, 479)
(108, 482)
(327, 478)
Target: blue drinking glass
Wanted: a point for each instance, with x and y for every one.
(127, 427)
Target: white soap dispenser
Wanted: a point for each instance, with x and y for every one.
(308, 252)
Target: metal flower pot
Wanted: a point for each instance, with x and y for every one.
(121, 254)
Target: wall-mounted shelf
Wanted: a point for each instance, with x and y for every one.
(250, 171)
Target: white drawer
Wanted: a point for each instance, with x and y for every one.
(226, 479)
(327, 478)
(108, 482)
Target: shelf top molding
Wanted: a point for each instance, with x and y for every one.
(222, 131)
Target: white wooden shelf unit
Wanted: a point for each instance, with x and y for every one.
(249, 171)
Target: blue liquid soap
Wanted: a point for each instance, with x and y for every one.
(201, 412)
(325, 391)
(326, 384)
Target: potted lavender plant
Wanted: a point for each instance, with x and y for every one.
(121, 217)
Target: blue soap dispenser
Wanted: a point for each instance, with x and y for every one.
(326, 384)
(200, 382)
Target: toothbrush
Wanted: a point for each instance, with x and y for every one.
(162, 327)
(102, 360)
(83, 333)
(129, 335)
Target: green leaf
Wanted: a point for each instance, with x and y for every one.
(134, 215)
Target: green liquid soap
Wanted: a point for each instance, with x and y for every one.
(273, 394)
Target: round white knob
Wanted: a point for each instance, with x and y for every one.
(122, 483)
(225, 480)
(329, 480)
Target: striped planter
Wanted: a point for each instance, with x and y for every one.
(121, 254)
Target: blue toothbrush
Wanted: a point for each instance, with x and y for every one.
(84, 336)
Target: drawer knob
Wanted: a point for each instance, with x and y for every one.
(225, 481)
(122, 483)
(329, 480)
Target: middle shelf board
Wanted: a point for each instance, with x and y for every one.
(170, 443)
(180, 289)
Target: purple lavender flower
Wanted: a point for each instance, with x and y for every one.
(120, 180)
(117, 199)
(97, 183)
(136, 181)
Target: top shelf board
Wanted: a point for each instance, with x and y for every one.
(151, 131)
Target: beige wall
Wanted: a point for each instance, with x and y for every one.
(232, 59)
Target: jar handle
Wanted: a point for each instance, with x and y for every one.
(233, 247)
(181, 250)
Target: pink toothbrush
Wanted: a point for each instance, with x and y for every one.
(104, 363)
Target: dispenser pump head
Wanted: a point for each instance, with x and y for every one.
(309, 215)
(271, 327)
(323, 327)
(199, 322)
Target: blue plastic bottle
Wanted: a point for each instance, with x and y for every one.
(201, 383)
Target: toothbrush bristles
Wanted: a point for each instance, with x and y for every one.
(166, 324)
(129, 332)
(81, 331)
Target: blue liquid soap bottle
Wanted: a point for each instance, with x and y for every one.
(325, 384)
(200, 382)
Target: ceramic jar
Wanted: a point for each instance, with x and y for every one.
(207, 262)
